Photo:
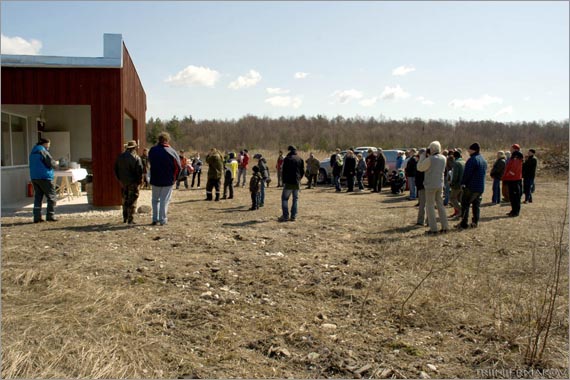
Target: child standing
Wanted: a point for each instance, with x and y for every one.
(255, 188)
(228, 180)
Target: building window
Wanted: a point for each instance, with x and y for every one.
(14, 140)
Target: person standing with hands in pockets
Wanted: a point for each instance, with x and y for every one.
(42, 172)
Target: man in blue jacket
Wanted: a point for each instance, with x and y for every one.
(473, 186)
(41, 173)
(164, 168)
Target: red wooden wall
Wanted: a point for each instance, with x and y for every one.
(109, 91)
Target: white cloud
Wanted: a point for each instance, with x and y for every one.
(475, 104)
(526, 98)
(248, 80)
(284, 101)
(194, 75)
(368, 102)
(346, 96)
(403, 70)
(276, 91)
(394, 93)
(505, 111)
(424, 101)
(18, 45)
(300, 75)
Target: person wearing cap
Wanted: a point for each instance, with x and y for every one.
(433, 165)
(472, 186)
(528, 174)
(400, 161)
(293, 171)
(497, 172)
(42, 167)
(513, 179)
(129, 171)
(164, 169)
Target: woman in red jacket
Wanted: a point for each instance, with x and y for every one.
(513, 179)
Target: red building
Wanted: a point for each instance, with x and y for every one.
(95, 104)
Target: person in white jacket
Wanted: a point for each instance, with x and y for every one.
(433, 164)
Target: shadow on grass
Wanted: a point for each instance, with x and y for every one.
(395, 198)
(233, 209)
(189, 201)
(401, 230)
(95, 227)
(244, 224)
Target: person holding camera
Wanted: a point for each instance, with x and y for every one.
(433, 165)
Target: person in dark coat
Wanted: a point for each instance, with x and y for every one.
(528, 174)
(349, 170)
(144, 160)
(379, 170)
(265, 177)
(228, 180)
(42, 167)
(255, 188)
(313, 167)
(497, 172)
(164, 169)
(370, 163)
(293, 171)
(215, 162)
(336, 165)
(473, 186)
(129, 171)
(421, 221)
(411, 170)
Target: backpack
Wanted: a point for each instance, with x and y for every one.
(339, 160)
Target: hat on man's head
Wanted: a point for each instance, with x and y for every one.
(459, 150)
(516, 146)
(131, 144)
(532, 151)
(291, 147)
(257, 156)
(475, 147)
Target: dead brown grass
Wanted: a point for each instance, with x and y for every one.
(222, 292)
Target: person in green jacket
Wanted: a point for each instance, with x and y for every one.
(215, 162)
(456, 175)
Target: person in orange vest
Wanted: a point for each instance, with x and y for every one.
(513, 179)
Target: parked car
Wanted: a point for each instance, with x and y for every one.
(391, 157)
(325, 171)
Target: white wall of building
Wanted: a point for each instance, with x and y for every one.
(74, 119)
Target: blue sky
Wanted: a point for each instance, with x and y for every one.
(472, 60)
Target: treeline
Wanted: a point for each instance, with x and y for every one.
(322, 133)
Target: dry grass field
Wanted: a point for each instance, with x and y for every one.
(352, 289)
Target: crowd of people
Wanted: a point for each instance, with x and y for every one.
(433, 177)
